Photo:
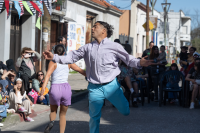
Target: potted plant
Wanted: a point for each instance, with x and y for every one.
(58, 4)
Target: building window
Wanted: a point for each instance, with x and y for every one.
(184, 29)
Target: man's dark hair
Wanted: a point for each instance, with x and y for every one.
(151, 42)
(60, 38)
(126, 41)
(109, 28)
(1, 86)
(59, 49)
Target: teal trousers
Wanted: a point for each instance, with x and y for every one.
(97, 94)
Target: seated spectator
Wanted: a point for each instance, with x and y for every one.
(44, 99)
(3, 90)
(190, 60)
(3, 68)
(194, 78)
(10, 65)
(10, 77)
(19, 101)
(26, 66)
(38, 80)
(173, 84)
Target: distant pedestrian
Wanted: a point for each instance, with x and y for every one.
(60, 40)
(101, 57)
(148, 51)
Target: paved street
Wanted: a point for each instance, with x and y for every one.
(147, 119)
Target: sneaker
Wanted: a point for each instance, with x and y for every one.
(134, 104)
(22, 109)
(28, 119)
(1, 124)
(49, 127)
(192, 105)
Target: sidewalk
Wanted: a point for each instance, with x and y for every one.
(79, 91)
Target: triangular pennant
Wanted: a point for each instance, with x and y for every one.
(38, 23)
(22, 8)
(17, 7)
(27, 7)
(50, 7)
(1, 4)
(31, 7)
(40, 6)
(47, 5)
(7, 7)
(35, 6)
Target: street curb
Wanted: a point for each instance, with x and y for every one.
(13, 119)
(79, 96)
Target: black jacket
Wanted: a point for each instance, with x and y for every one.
(24, 69)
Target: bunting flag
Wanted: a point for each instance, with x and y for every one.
(50, 7)
(27, 7)
(22, 8)
(47, 5)
(10, 8)
(40, 6)
(17, 7)
(1, 4)
(35, 6)
(38, 23)
(31, 7)
(7, 7)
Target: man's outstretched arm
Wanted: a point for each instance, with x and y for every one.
(131, 60)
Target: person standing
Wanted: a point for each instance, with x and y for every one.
(60, 40)
(101, 57)
(148, 51)
(60, 92)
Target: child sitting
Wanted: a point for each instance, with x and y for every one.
(3, 91)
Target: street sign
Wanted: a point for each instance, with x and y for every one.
(150, 25)
(154, 20)
(161, 27)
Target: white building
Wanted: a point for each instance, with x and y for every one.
(179, 30)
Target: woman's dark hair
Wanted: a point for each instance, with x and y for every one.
(109, 28)
(174, 65)
(22, 90)
(60, 38)
(38, 73)
(59, 49)
(193, 48)
(152, 54)
(162, 46)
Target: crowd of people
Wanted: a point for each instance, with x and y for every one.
(16, 95)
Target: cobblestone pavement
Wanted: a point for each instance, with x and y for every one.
(147, 119)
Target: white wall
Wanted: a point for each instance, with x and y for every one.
(4, 36)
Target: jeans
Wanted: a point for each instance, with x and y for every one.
(142, 81)
(45, 101)
(97, 94)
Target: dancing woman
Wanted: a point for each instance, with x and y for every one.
(60, 92)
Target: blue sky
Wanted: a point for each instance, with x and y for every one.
(176, 5)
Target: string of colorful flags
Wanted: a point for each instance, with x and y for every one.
(30, 6)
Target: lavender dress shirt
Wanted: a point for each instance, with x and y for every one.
(101, 60)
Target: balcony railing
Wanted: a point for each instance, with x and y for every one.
(58, 6)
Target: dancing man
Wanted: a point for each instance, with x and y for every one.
(101, 57)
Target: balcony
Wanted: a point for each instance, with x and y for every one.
(185, 37)
(58, 9)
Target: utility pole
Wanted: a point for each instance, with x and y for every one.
(166, 7)
(152, 8)
(147, 27)
(46, 33)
